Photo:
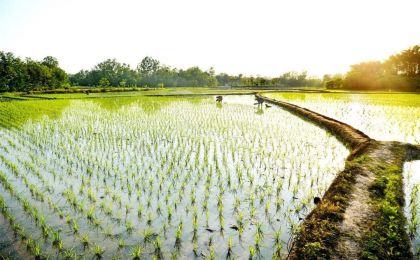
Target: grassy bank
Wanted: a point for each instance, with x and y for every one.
(361, 214)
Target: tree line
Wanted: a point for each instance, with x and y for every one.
(151, 73)
(287, 79)
(399, 72)
(148, 73)
(24, 75)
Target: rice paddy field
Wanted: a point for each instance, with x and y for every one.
(77, 94)
(391, 117)
(386, 117)
(158, 177)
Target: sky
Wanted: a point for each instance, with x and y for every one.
(264, 37)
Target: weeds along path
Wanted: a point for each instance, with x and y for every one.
(361, 214)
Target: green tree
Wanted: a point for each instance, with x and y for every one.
(114, 72)
(406, 63)
(365, 76)
(59, 77)
(333, 82)
(13, 74)
(104, 82)
(50, 62)
(148, 66)
(399, 72)
(123, 83)
(39, 75)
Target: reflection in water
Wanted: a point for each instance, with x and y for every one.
(152, 165)
(259, 110)
(387, 117)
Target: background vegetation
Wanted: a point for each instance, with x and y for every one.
(398, 72)
(151, 73)
(24, 75)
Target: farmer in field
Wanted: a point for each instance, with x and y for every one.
(259, 100)
(219, 99)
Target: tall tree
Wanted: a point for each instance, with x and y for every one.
(365, 76)
(148, 66)
(50, 62)
(13, 73)
(406, 63)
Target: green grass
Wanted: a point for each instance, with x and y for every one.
(387, 238)
(14, 114)
(4, 97)
(318, 237)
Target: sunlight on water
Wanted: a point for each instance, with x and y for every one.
(194, 175)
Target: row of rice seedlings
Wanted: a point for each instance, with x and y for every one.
(69, 220)
(37, 217)
(368, 112)
(74, 225)
(32, 246)
(188, 163)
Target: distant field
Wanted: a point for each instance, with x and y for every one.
(78, 92)
(144, 92)
(381, 116)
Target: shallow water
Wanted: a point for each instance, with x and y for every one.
(166, 156)
(386, 117)
(392, 117)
